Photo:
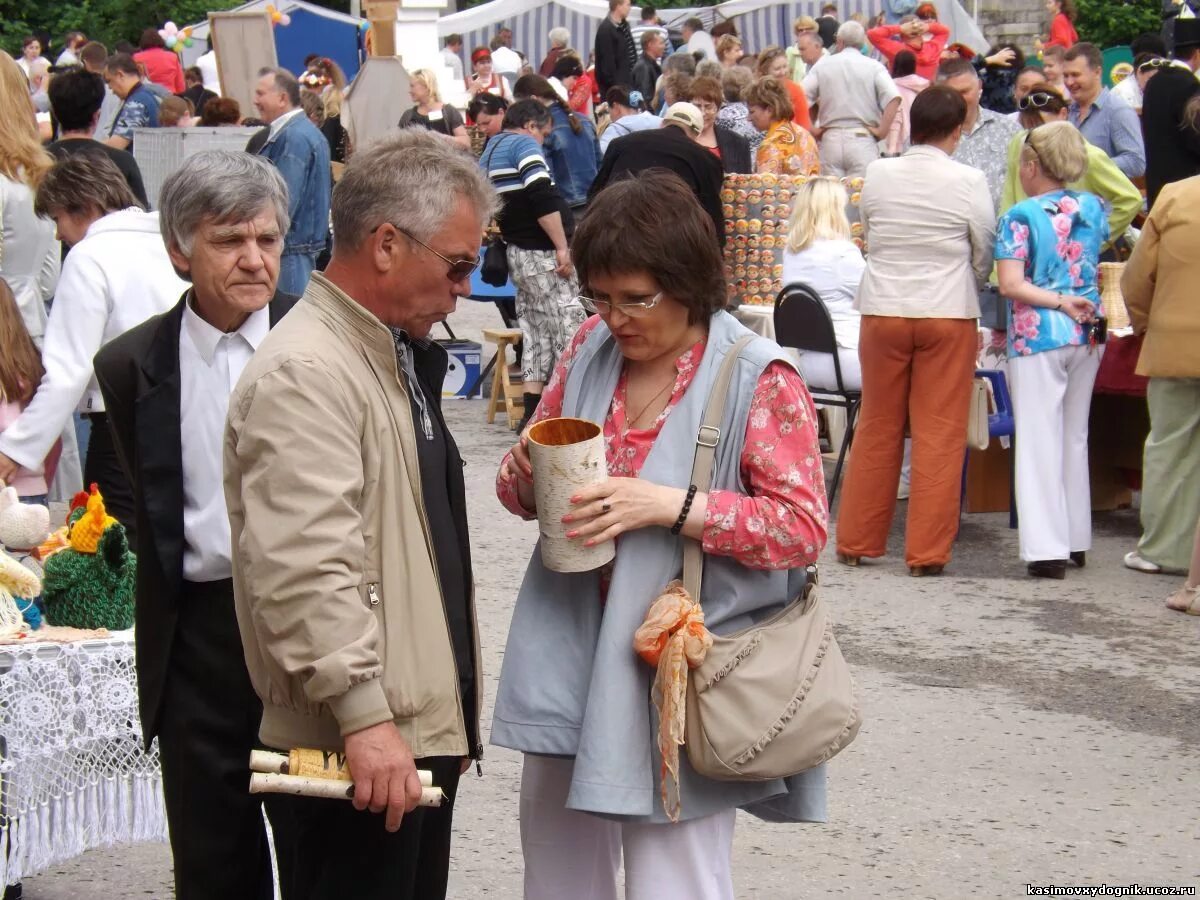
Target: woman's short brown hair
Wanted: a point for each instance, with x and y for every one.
(936, 112)
(726, 43)
(654, 225)
(88, 184)
(770, 94)
(221, 111)
(707, 89)
(766, 57)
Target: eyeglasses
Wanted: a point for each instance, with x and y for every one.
(1037, 100)
(460, 269)
(1151, 64)
(633, 310)
(1037, 157)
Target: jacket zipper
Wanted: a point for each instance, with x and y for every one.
(429, 548)
(373, 594)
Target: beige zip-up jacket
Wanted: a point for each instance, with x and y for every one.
(335, 581)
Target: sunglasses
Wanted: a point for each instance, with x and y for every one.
(1037, 100)
(1151, 64)
(459, 269)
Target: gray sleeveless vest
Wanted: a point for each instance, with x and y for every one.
(571, 684)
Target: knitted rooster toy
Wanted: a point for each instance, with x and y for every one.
(89, 583)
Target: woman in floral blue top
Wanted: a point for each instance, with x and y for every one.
(1047, 251)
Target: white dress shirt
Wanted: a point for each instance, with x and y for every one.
(210, 363)
(277, 125)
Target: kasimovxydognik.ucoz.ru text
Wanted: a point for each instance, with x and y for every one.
(1109, 890)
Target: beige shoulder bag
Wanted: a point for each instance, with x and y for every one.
(774, 699)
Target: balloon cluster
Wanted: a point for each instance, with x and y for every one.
(176, 38)
(277, 17)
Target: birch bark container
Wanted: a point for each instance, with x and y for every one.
(567, 455)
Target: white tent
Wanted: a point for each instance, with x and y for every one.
(759, 22)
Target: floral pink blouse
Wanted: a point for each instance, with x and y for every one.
(782, 523)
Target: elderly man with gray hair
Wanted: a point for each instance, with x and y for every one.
(857, 101)
(352, 566)
(166, 386)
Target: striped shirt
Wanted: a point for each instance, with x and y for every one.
(517, 169)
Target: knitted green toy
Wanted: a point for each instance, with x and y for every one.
(90, 583)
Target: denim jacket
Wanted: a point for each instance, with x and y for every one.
(574, 158)
(301, 154)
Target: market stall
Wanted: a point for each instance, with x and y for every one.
(73, 774)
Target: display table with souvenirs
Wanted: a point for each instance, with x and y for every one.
(757, 209)
(73, 773)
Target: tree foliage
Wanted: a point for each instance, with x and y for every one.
(1107, 24)
(107, 21)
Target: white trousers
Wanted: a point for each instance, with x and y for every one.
(846, 152)
(577, 855)
(818, 371)
(1052, 396)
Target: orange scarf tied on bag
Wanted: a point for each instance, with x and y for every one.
(672, 638)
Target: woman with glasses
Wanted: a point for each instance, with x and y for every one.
(723, 142)
(1047, 255)
(572, 696)
(1042, 104)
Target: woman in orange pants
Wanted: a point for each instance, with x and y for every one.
(930, 225)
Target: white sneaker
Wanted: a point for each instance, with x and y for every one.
(1135, 562)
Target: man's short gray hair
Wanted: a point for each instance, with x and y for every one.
(559, 37)
(285, 83)
(851, 34)
(222, 186)
(412, 180)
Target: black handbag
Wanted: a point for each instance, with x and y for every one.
(993, 309)
(494, 268)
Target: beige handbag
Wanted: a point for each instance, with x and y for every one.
(978, 436)
(774, 699)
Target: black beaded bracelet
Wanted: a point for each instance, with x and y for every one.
(683, 513)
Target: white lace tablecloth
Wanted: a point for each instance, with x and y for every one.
(73, 775)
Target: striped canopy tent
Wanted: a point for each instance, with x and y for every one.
(759, 23)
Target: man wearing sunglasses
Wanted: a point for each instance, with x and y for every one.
(351, 564)
(1172, 139)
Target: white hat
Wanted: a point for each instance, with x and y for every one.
(685, 115)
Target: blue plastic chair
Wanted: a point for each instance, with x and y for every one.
(1000, 424)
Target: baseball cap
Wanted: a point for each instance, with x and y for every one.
(685, 115)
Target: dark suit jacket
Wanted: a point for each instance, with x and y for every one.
(736, 158)
(1172, 149)
(138, 374)
(671, 149)
(615, 55)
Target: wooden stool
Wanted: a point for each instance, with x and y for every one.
(506, 394)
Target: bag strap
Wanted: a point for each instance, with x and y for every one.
(708, 435)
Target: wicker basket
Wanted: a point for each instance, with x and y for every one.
(1112, 301)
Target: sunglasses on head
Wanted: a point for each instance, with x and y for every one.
(1037, 100)
(1151, 64)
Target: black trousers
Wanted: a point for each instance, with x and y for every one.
(210, 720)
(103, 468)
(328, 850)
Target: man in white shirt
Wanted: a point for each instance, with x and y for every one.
(858, 101)
(698, 40)
(166, 385)
(505, 61)
(72, 44)
(452, 55)
(207, 64)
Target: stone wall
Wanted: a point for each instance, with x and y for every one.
(1012, 21)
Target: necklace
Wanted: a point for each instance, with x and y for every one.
(631, 421)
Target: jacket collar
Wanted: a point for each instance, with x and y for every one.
(345, 312)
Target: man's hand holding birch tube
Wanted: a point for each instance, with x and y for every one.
(385, 775)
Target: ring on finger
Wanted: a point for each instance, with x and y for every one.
(605, 507)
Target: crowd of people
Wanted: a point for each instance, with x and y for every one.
(269, 330)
